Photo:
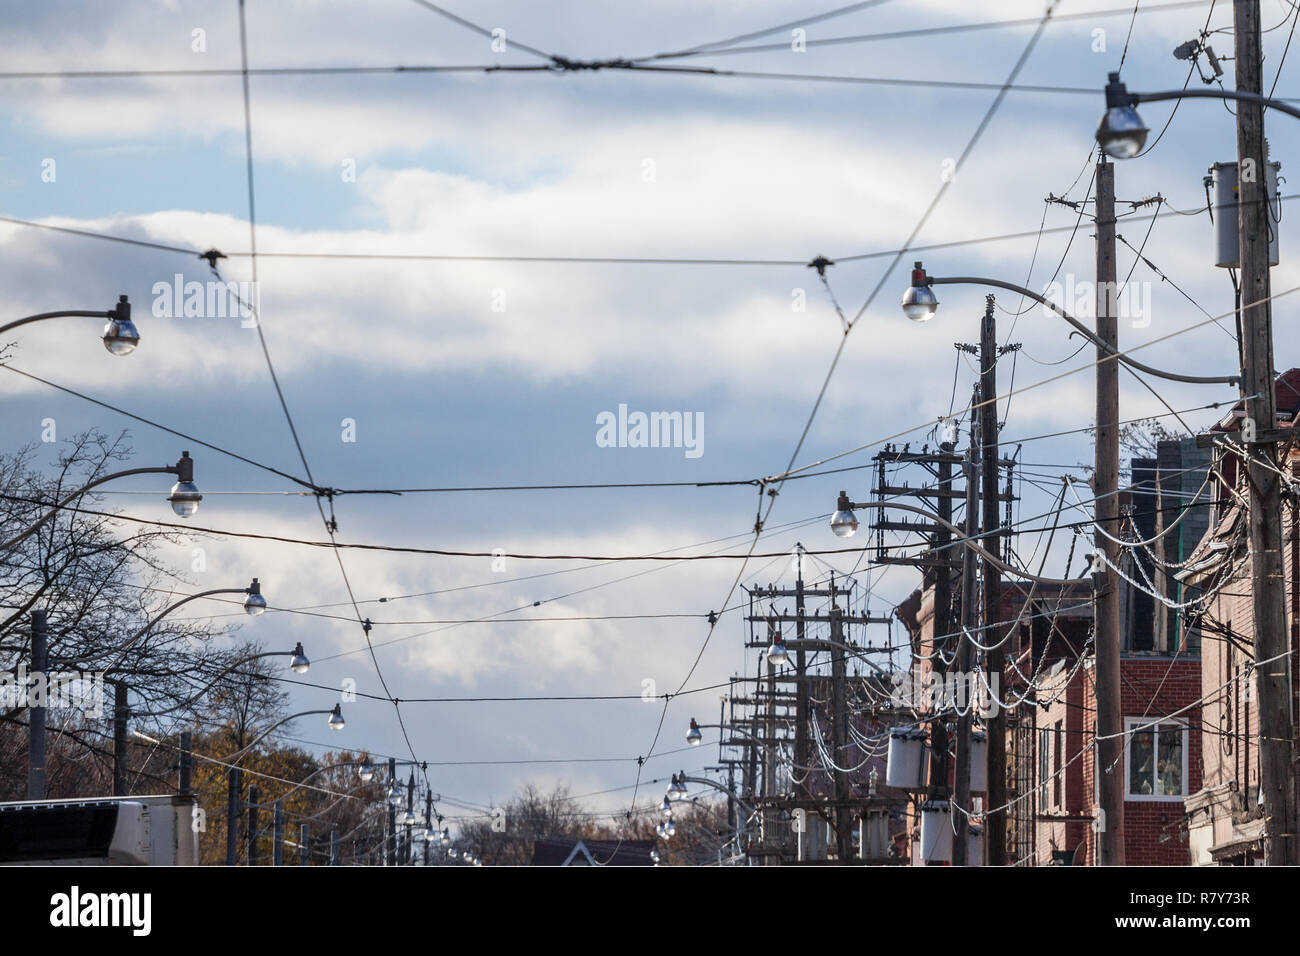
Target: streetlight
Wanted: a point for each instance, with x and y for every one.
(336, 718)
(184, 495)
(666, 808)
(255, 604)
(844, 522)
(676, 789)
(366, 772)
(919, 302)
(693, 736)
(300, 665)
(1122, 134)
(120, 335)
(776, 654)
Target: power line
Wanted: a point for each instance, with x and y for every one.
(805, 21)
(481, 30)
(574, 260)
(266, 71)
(922, 32)
(164, 428)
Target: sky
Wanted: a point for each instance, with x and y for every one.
(481, 372)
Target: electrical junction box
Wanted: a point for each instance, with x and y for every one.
(1222, 184)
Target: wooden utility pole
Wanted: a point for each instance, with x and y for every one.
(801, 758)
(36, 715)
(277, 833)
(995, 822)
(770, 814)
(844, 817)
(235, 782)
(841, 811)
(1109, 764)
(1268, 585)
(942, 620)
(121, 710)
(253, 796)
(965, 651)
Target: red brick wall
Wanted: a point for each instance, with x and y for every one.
(1152, 687)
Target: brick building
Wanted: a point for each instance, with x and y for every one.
(1224, 815)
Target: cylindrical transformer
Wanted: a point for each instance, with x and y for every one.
(1223, 201)
(936, 831)
(907, 767)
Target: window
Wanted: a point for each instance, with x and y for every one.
(1057, 751)
(1044, 764)
(1156, 759)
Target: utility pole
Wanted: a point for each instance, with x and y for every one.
(304, 844)
(733, 818)
(801, 759)
(942, 619)
(277, 833)
(392, 816)
(1109, 764)
(36, 715)
(1268, 585)
(252, 824)
(410, 807)
(234, 776)
(186, 765)
(995, 822)
(770, 814)
(428, 822)
(965, 655)
(840, 738)
(120, 712)
(334, 846)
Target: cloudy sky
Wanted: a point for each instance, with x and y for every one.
(477, 372)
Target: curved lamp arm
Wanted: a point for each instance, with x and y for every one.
(846, 505)
(1118, 95)
(734, 729)
(183, 469)
(717, 786)
(181, 603)
(1083, 329)
(239, 754)
(114, 313)
(817, 643)
(253, 588)
(239, 663)
(19, 539)
(303, 782)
